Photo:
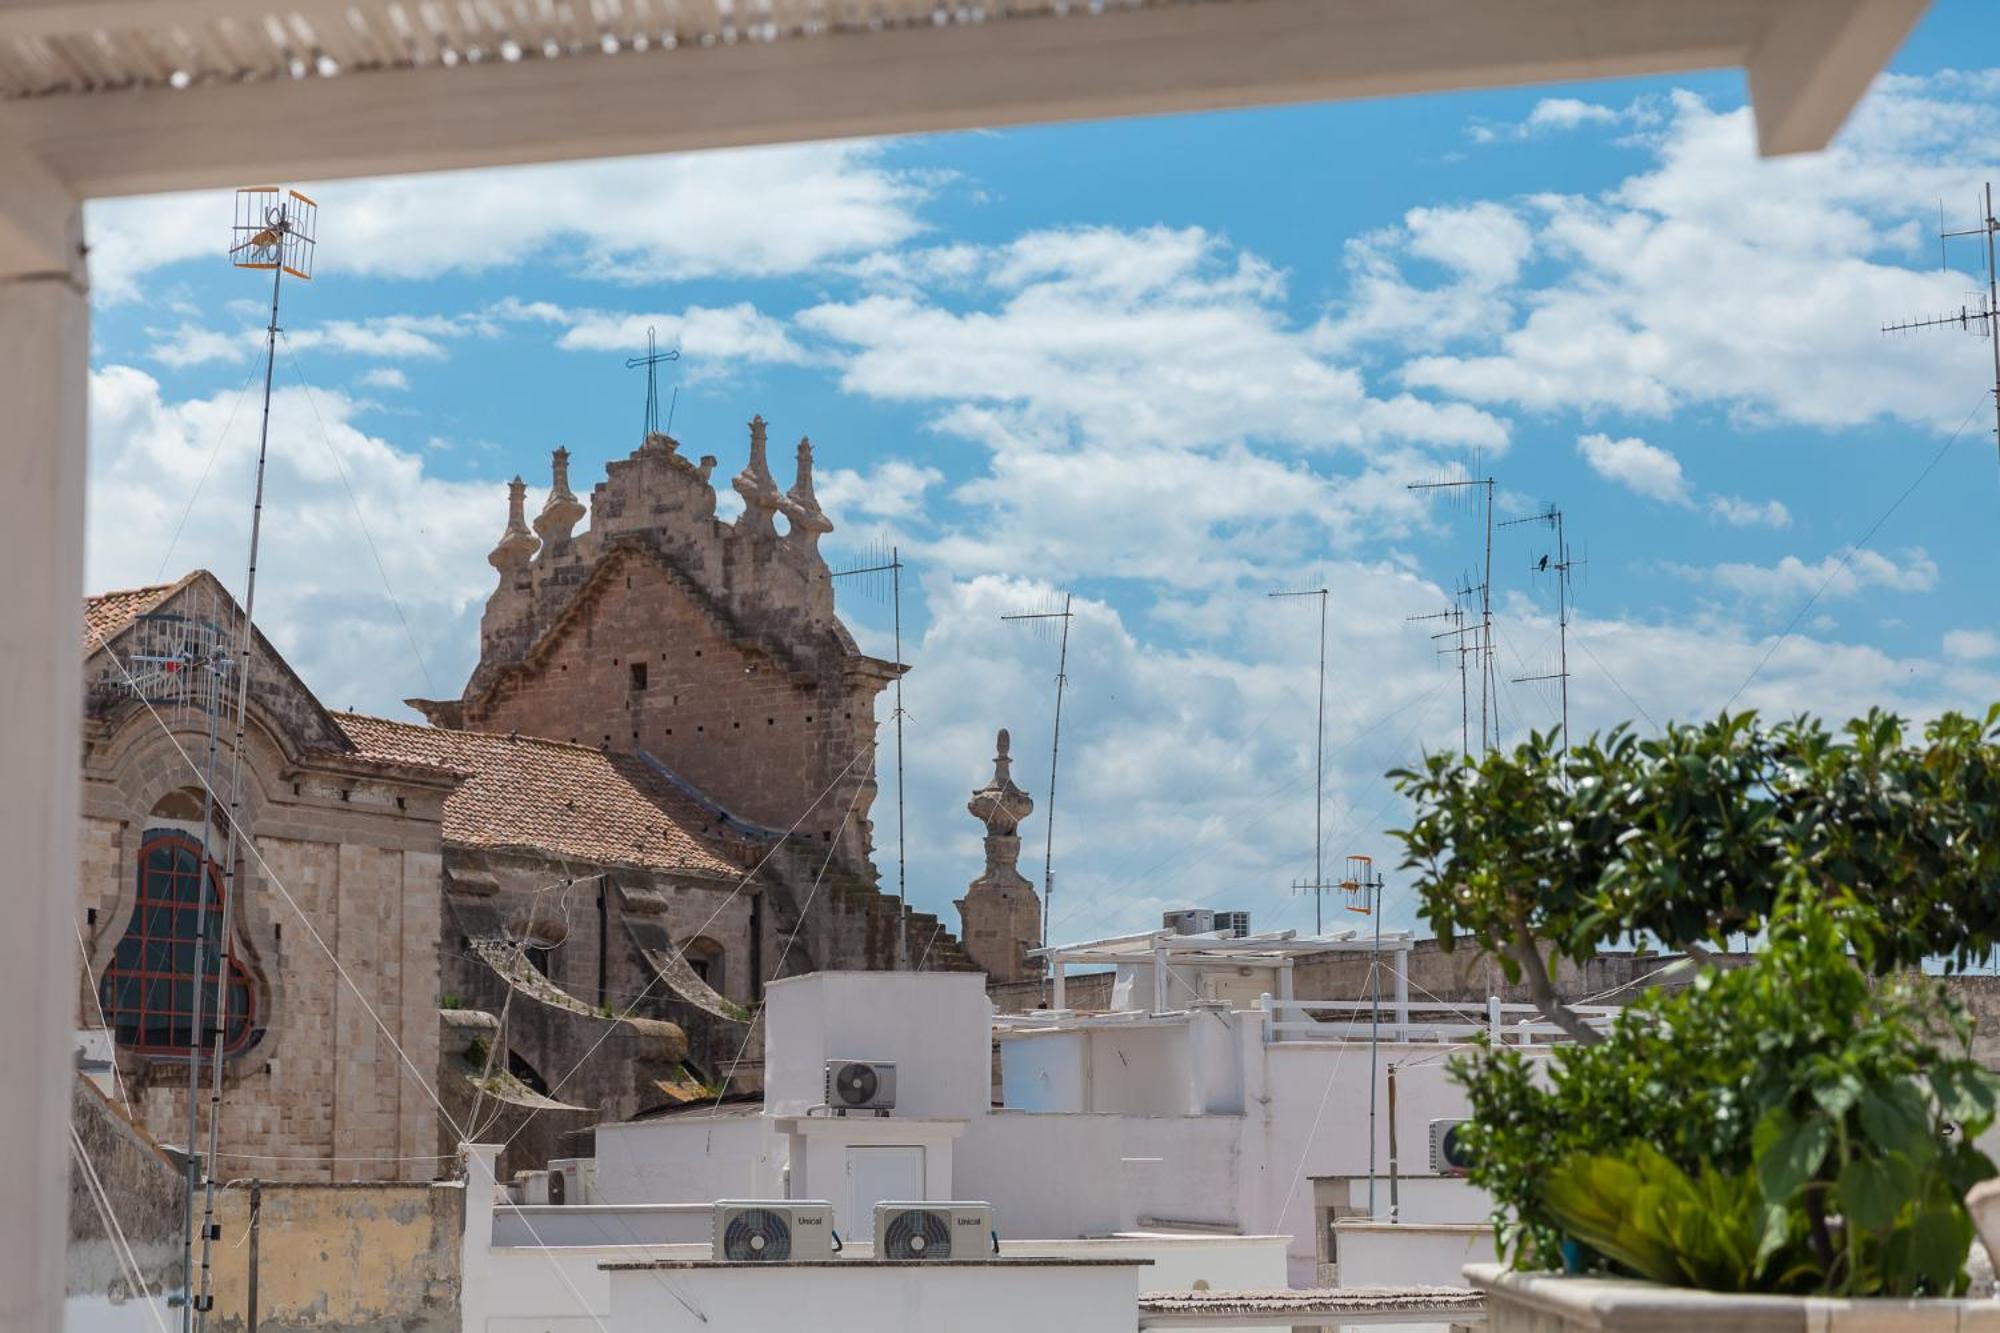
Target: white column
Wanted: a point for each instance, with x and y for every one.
(1159, 981)
(481, 1162)
(44, 376)
(1057, 998)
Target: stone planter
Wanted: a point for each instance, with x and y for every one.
(1555, 1303)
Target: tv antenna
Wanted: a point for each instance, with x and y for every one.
(1041, 621)
(1363, 883)
(1455, 614)
(1560, 563)
(651, 361)
(876, 564)
(275, 230)
(1489, 692)
(1319, 884)
(1983, 320)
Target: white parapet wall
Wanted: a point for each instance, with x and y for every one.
(846, 1296)
(1410, 1254)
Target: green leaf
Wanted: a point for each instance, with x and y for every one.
(1788, 1152)
(1896, 1119)
(1837, 1094)
(1873, 1190)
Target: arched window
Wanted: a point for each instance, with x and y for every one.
(704, 958)
(148, 990)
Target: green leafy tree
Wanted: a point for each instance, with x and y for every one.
(1687, 838)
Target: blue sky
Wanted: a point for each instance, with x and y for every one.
(1170, 366)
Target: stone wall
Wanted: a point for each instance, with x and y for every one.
(360, 856)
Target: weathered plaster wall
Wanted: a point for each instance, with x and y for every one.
(380, 1258)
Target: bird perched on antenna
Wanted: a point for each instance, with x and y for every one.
(263, 240)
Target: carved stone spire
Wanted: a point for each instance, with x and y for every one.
(562, 510)
(1000, 914)
(517, 545)
(759, 489)
(1001, 806)
(808, 521)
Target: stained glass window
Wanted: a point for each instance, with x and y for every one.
(148, 990)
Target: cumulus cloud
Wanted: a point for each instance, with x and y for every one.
(385, 377)
(1644, 469)
(1552, 115)
(709, 338)
(1740, 513)
(1718, 277)
(749, 212)
(1835, 576)
(170, 492)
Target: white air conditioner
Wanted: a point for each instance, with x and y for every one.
(579, 1177)
(776, 1231)
(934, 1231)
(537, 1187)
(861, 1085)
(1232, 925)
(1447, 1148)
(1188, 921)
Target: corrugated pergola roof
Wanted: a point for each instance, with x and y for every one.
(110, 97)
(99, 45)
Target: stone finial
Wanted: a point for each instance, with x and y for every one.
(517, 545)
(562, 510)
(808, 521)
(759, 489)
(1000, 805)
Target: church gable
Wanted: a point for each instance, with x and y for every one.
(133, 638)
(661, 629)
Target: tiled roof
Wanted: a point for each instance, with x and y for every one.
(570, 800)
(108, 612)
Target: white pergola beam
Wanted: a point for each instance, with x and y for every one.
(1814, 63)
(1006, 71)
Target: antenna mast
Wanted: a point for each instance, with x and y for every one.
(1455, 613)
(1364, 886)
(1055, 752)
(1986, 319)
(1489, 692)
(892, 565)
(1562, 564)
(279, 234)
(1319, 884)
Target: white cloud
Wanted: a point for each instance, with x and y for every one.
(1793, 579)
(319, 597)
(1741, 513)
(190, 345)
(738, 332)
(752, 212)
(385, 377)
(1644, 469)
(1971, 645)
(894, 488)
(1553, 115)
(1718, 277)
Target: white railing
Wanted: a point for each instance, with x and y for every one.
(1350, 1020)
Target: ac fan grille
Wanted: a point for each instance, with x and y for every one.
(917, 1233)
(757, 1234)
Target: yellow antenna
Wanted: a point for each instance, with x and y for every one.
(274, 229)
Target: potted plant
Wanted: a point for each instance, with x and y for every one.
(1798, 1127)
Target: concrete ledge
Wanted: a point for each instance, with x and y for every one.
(1558, 1303)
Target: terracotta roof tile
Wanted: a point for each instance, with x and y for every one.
(570, 800)
(108, 612)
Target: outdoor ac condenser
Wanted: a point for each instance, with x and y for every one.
(934, 1230)
(861, 1085)
(772, 1231)
(1447, 1151)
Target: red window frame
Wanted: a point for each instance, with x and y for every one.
(147, 991)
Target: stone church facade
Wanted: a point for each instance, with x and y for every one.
(561, 899)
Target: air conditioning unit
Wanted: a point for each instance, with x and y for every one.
(934, 1231)
(777, 1231)
(861, 1085)
(579, 1177)
(537, 1187)
(1232, 925)
(1448, 1157)
(1188, 921)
